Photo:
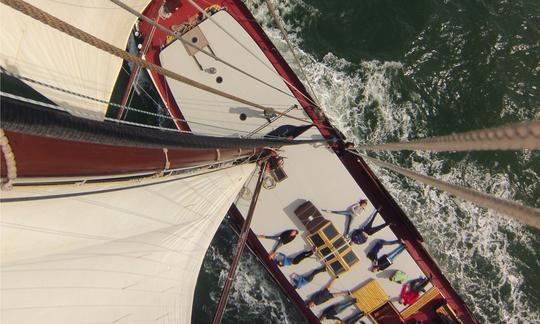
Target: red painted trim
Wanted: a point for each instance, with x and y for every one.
(402, 226)
(48, 157)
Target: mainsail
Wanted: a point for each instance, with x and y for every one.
(116, 254)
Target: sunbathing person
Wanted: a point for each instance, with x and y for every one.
(383, 262)
(353, 210)
(331, 312)
(361, 234)
(281, 239)
(283, 260)
(419, 284)
(355, 318)
(300, 281)
(324, 295)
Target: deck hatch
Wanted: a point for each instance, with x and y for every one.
(333, 249)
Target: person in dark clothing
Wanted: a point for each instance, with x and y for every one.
(283, 260)
(419, 284)
(361, 234)
(355, 318)
(373, 253)
(383, 262)
(324, 295)
(331, 312)
(281, 239)
(300, 281)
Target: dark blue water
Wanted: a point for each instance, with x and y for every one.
(390, 70)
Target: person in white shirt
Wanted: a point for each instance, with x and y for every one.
(354, 210)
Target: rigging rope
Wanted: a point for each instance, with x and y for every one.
(239, 249)
(134, 81)
(20, 116)
(185, 42)
(258, 129)
(517, 136)
(9, 157)
(527, 215)
(68, 29)
(269, 67)
(278, 22)
(127, 108)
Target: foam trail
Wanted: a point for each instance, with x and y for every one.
(254, 296)
(477, 248)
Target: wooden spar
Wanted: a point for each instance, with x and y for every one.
(239, 249)
(39, 156)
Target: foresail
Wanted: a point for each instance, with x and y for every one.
(129, 255)
(36, 51)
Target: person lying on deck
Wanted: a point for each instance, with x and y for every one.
(281, 239)
(355, 318)
(383, 262)
(353, 210)
(361, 234)
(324, 295)
(331, 312)
(300, 281)
(411, 290)
(283, 260)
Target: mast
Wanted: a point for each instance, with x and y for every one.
(220, 309)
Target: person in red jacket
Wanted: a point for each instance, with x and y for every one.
(411, 290)
(407, 295)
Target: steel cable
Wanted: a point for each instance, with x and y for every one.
(269, 67)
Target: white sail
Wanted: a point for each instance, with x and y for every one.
(117, 256)
(34, 50)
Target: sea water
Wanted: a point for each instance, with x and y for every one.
(392, 70)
